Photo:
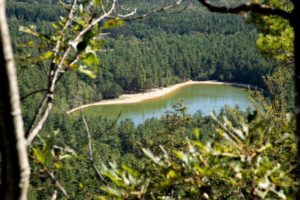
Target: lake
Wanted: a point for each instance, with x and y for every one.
(204, 97)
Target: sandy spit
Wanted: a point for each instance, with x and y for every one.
(153, 93)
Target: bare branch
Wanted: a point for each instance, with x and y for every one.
(102, 7)
(44, 109)
(58, 184)
(67, 149)
(128, 14)
(90, 147)
(70, 16)
(32, 93)
(154, 11)
(253, 7)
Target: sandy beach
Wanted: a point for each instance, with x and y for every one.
(154, 93)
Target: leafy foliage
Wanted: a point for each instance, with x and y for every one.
(276, 36)
(238, 158)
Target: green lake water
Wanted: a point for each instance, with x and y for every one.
(204, 97)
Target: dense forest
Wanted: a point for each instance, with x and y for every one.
(158, 51)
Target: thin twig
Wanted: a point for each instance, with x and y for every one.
(154, 11)
(112, 124)
(68, 150)
(58, 184)
(91, 147)
(32, 93)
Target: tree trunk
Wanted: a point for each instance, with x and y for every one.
(295, 24)
(15, 166)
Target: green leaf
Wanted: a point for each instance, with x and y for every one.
(112, 192)
(113, 23)
(76, 27)
(58, 166)
(148, 153)
(182, 156)
(120, 22)
(83, 69)
(197, 133)
(110, 23)
(96, 3)
(130, 170)
(90, 59)
(56, 26)
(65, 156)
(31, 30)
(171, 174)
(46, 55)
(81, 9)
(39, 156)
(81, 186)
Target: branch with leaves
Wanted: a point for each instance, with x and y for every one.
(292, 17)
(59, 63)
(51, 159)
(247, 7)
(233, 159)
(75, 44)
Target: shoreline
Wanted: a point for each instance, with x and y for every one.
(152, 94)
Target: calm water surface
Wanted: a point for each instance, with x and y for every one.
(204, 97)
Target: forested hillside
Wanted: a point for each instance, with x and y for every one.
(233, 155)
(160, 50)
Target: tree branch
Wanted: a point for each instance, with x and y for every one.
(32, 93)
(57, 183)
(67, 149)
(253, 7)
(44, 109)
(46, 105)
(90, 147)
(57, 69)
(93, 23)
(128, 17)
